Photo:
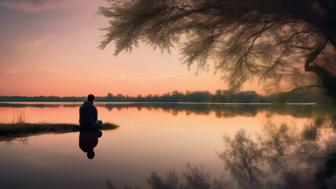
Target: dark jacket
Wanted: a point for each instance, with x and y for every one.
(87, 116)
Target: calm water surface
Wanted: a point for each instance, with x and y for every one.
(243, 146)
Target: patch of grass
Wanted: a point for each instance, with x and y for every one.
(26, 129)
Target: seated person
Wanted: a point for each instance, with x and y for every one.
(88, 116)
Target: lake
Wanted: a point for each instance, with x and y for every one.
(160, 144)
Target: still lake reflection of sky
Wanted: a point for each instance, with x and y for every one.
(148, 139)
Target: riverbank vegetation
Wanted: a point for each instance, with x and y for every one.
(220, 96)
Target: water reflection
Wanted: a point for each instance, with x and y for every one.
(220, 109)
(297, 154)
(281, 157)
(88, 140)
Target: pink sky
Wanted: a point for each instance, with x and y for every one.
(51, 49)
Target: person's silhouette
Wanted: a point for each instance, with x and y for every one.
(88, 115)
(88, 140)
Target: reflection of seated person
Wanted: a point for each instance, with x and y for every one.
(88, 140)
(88, 115)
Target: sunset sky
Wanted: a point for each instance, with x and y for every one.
(50, 47)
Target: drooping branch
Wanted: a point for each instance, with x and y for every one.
(245, 39)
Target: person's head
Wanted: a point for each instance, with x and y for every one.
(90, 154)
(90, 98)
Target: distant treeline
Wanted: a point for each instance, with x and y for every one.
(175, 96)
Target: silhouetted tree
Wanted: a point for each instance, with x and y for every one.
(285, 44)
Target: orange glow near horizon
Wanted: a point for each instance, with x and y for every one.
(52, 49)
(59, 56)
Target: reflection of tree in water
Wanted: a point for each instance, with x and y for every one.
(225, 110)
(220, 110)
(191, 178)
(282, 156)
(242, 158)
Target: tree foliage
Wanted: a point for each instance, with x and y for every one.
(278, 42)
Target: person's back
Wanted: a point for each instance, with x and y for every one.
(88, 116)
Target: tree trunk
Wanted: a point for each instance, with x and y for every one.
(328, 80)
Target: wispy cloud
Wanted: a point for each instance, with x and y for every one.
(32, 6)
(31, 45)
(38, 42)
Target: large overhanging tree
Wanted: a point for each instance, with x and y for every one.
(282, 43)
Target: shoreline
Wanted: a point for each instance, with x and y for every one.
(13, 130)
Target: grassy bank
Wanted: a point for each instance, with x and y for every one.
(26, 129)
